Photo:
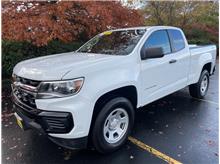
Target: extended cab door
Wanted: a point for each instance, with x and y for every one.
(164, 75)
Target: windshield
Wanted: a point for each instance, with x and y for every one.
(113, 42)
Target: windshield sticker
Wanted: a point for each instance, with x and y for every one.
(107, 33)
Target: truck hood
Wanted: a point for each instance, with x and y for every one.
(55, 67)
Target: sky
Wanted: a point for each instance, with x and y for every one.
(136, 4)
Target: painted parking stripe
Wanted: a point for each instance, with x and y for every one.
(209, 101)
(212, 102)
(153, 151)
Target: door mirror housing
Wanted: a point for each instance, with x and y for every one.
(149, 53)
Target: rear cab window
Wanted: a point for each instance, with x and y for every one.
(177, 40)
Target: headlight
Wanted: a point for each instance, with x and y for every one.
(56, 89)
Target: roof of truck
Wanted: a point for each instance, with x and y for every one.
(144, 27)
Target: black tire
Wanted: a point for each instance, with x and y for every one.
(195, 89)
(98, 138)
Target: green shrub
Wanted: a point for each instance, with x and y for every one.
(199, 41)
(14, 52)
(198, 36)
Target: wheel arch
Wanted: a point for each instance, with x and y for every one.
(208, 67)
(129, 92)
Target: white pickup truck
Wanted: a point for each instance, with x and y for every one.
(89, 97)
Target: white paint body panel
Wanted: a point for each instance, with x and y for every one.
(200, 55)
(153, 78)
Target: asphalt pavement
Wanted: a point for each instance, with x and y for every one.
(179, 126)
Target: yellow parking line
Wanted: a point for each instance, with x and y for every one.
(153, 151)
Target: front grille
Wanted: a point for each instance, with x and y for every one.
(25, 97)
(24, 94)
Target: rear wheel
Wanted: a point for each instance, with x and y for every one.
(113, 125)
(200, 89)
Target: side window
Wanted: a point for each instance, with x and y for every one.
(159, 39)
(177, 40)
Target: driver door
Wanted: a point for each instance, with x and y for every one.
(157, 73)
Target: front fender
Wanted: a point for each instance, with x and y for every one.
(102, 83)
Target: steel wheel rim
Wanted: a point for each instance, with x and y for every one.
(116, 125)
(204, 84)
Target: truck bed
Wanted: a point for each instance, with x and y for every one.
(195, 46)
(197, 51)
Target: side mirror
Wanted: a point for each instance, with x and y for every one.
(149, 53)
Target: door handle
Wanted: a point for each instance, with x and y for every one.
(172, 61)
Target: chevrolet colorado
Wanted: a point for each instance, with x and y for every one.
(88, 97)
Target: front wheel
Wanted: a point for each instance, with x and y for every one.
(113, 125)
(200, 89)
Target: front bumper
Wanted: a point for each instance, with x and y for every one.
(49, 122)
